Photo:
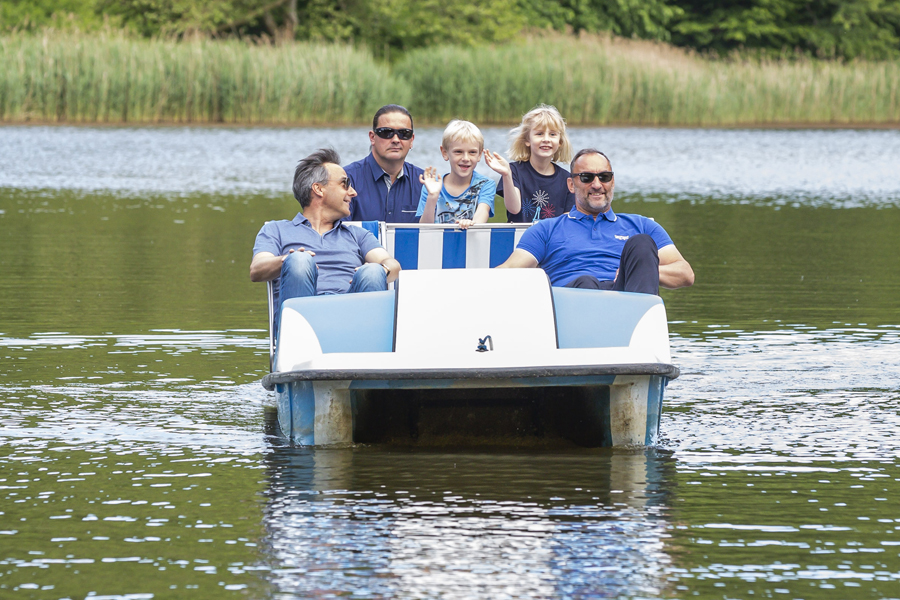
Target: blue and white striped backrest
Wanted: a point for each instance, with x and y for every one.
(419, 246)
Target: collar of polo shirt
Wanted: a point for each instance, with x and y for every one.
(609, 215)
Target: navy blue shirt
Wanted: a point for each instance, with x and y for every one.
(576, 244)
(338, 253)
(543, 196)
(374, 202)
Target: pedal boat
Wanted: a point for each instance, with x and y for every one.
(499, 350)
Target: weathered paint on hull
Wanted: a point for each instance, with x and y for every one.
(320, 413)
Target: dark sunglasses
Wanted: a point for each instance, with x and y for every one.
(388, 133)
(604, 176)
(344, 182)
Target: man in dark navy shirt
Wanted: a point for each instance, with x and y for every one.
(388, 187)
(593, 247)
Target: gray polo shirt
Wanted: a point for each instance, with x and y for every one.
(338, 253)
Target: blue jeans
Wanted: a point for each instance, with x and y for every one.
(299, 277)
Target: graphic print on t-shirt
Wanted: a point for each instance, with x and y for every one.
(461, 208)
(539, 201)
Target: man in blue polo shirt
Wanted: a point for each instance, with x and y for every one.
(316, 253)
(388, 186)
(593, 247)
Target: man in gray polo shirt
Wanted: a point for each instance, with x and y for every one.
(315, 253)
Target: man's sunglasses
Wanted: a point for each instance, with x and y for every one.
(344, 182)
(604, 176)
(388, 133)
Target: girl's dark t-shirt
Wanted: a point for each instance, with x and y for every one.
(548, 194)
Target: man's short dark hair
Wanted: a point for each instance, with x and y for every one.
(312, 170)
(388, 109)
(585, 152)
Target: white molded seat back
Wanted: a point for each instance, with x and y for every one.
(448, 311)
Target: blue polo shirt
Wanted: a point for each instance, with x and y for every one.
(575, 244)
(338, 253)
(374, 202)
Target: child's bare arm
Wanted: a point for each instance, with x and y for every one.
(432, 182)
(482, 213)
(512, 198)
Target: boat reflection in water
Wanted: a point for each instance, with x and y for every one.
(425, 523)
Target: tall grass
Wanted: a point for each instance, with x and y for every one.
(76, 78)
(597, 80)
(592, 80)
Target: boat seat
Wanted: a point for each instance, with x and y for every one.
(336, 323)
(592, 319)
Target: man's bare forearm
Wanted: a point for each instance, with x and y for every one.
(265, 267)
(393, 268)
(676, 275)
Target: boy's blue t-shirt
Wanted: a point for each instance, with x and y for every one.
(450, 209)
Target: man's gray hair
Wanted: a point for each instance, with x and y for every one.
(584, 152)
(312, 170)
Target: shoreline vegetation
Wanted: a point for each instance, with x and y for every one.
(72, 78)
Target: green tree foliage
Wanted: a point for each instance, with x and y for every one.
(847, 29)
(29, 15)
(826, 28)
(647, 19)
(406, 24)
(175, 17)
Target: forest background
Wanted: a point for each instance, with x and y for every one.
(845, 29)
(669, 62)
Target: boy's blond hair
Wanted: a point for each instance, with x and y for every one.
(461, 131)
(541, 115)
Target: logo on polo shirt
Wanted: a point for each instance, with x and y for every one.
(622, 237)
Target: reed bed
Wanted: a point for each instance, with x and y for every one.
(80, 79)
(600, 81)
(593, 80)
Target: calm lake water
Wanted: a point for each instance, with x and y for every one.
(137, 451)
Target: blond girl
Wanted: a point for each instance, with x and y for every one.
(533, 187)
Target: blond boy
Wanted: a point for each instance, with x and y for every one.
(464, 197)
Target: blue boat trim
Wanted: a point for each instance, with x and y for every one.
(454, 249)
(406, 248)
(654, 408)
(303, 421)
(528, 375)
(371, 227)
(503, 242)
